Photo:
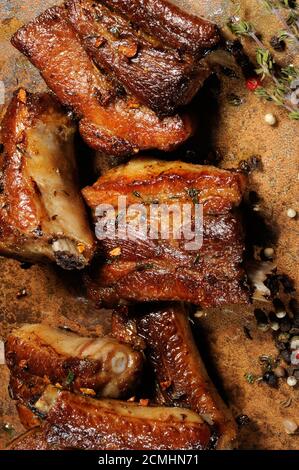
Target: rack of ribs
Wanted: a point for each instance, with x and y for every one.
(160, 75)
(76, 422)
(109, 120)
(39, 355)
(145, 268)
(182, 379)
(42, 213)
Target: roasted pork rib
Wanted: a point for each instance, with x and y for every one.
(109, 121)
(42, 214)
(144, 268)
(38, 355)
(171, 25)
(33, 439)
(79, 422)
(158, 76)
(182, 379)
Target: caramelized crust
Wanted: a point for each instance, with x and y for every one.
(84, 423)
(145, 269)
(171, 25)
(31, 440)
(42, 215)
(158, 77)
(180, 372)
(38, 355)
(108, 122)
(148, 181)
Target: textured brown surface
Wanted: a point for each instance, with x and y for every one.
(237, 133)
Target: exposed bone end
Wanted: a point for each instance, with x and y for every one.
(119, 363)
(47, 400)
(68, 255)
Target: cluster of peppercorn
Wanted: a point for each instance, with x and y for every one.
(283, 320)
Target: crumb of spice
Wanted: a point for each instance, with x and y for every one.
(131, 400)
(88, 391)
(22, 293)
(115, 252)
(144, 401)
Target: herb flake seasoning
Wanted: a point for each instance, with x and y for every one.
(196, 259)
(193, 193)
(249, 377)
(70, 378)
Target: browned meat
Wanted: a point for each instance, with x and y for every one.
(167, 22)
(42, 215)
(144, 268)
(31, 440)
(109, 122)
(124, 329)
(38, 355)
(78, 422)
(180, 372)
(157, 76)
(27, 417)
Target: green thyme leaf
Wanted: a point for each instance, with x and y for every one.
(249, 377)
(240, 28)
(70, 378)
(294, 115)
(196, 259)
(193, 193)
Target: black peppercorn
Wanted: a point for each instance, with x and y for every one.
(280, 346)
(285, 355)
(278, 44)
(270, 378)
(242, 420)
(25, 265)
(253, 197)
(272, 283)
(279, 308)
(287, 283)
(228, 72)
(260, 316)
(285, 325)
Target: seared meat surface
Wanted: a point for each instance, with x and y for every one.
(38, 355)
(158, 76)
(79, 422)
(31, 440)
(42, 214)
(169, 24)
(145, 268)
(182, 379)
(109, 121)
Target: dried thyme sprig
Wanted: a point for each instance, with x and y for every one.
(291, 24)
(285, 92)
